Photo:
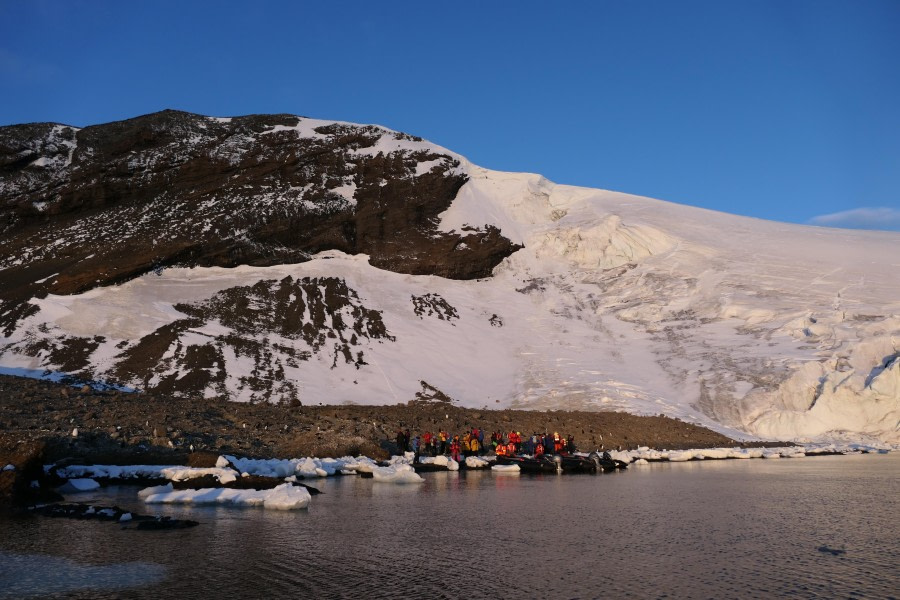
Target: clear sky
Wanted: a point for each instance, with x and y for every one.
(784, 109)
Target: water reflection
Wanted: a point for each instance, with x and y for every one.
(688, 530)
(29, 575)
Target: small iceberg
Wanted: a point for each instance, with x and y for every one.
(283, 497)
(505, 469)
(475, 462)
(399, 473)
(75, 486)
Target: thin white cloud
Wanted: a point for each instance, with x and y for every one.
(886, 219)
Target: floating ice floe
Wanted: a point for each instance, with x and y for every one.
(441, 461)
(157, 489)
(75, 486)
(650, 455)
(114, 471)
(224, 475)
(297, 467)
(283, 497)
(396, 474)
(170, 472)
(475, 462)
(505, 468)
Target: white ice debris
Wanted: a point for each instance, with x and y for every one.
(283, 497)
(476, 462)
(116, 471)
(442, 461)
(505, 469)
(308, 467)
(396, 474)
(9, 467)
(156, 489)
(224, 475)
(74, 486)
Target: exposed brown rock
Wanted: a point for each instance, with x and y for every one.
(110, 202)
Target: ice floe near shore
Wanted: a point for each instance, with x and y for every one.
(646, 455)
(505, 469)
(75, 486)
(283, 497)
(396, 474)
(399, 470)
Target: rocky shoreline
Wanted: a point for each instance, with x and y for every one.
(42, 422)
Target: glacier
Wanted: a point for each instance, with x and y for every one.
(614, 302)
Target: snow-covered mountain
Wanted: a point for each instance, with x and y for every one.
(279, 258)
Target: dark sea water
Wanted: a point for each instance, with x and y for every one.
(817, 527)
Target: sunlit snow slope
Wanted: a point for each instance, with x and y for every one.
(614, 302)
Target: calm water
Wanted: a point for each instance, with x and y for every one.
(714, 529)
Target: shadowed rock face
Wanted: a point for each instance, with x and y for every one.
(100, 205)
(270, 327)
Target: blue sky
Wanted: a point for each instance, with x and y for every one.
(786, 109)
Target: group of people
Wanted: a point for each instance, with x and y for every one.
(472, 443)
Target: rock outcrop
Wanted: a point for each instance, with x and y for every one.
(84, 208)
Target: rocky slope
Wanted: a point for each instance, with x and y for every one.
(283, 259)
(121, 424)
(84, 208)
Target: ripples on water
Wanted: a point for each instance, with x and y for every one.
(726, 529)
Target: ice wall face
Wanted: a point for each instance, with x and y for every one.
(330, 262)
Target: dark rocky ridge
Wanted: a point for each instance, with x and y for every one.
(123, 424)
(100, 205)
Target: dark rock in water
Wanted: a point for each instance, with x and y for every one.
(831, 551)
(80, 511)
(313, 491)
(111, 514)
(159, 523)
(17, 483)
(429, 468)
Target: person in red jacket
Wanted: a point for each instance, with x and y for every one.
(454, 448)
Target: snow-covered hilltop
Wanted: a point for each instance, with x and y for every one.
(279, 258)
